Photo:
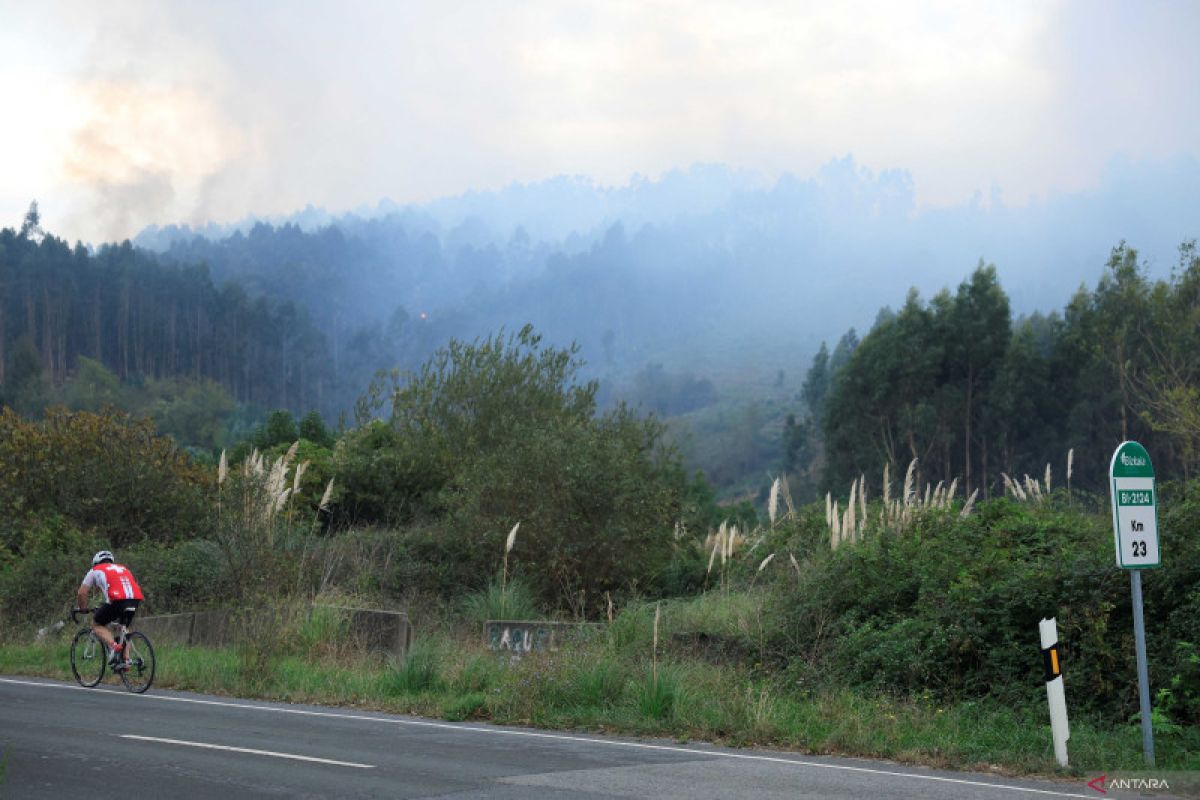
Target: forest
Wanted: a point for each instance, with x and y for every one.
(143, 320)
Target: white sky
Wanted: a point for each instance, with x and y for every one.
(121, 114)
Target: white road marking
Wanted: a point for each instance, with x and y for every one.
(562, 737)
(248, 750)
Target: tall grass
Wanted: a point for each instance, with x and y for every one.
(500, 600)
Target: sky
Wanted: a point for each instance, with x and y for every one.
(124, 114)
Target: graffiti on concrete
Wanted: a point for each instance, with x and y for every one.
(526, 637)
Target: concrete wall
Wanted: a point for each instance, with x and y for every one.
(372, 629)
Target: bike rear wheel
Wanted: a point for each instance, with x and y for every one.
(137, 667)
(88, 657)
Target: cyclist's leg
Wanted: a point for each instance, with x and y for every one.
(125, 612)
(104, 615)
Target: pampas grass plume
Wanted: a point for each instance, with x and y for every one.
(967, 506)
(299, 474)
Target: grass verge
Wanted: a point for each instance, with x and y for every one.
(599, 687)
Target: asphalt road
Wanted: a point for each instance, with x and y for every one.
(60, 740)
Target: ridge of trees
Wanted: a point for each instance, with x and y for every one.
(146, 320)
(957, 384)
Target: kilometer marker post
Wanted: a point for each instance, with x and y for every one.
(1055, 693)
(1135, 534)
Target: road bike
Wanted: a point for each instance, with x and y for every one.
(89, 656)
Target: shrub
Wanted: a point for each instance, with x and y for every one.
(951, 606)
(498, 431)
(106, 473)
(40, 584)
(181, 577)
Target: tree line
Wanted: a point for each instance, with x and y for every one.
(957, 384)
(146, 320)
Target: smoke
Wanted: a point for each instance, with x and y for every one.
(224, 109)
(139, 150)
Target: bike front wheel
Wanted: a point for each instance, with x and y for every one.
(88, 657)
(137, 667)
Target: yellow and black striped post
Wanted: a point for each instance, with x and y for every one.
(1055, 693)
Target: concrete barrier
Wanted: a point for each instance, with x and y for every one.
(375, 629)
(372, 629)
(523, 636)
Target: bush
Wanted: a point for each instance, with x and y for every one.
(107, 473)
(498, 431)
(183, 577)
(40, 584)
(951, 607)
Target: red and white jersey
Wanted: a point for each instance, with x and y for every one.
(115, 581)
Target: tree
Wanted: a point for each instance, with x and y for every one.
(312, 428)
(1168, 385)
(31, 226)
(499, 430)
(816, 383)
(979, 336)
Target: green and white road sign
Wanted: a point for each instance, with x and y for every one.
(1135, 507)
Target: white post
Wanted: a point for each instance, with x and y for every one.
(1055, 694)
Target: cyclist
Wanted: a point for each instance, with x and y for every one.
(121, 594)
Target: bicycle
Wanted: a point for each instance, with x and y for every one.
(89, 656)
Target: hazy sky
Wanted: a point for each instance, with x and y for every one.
(120, 114)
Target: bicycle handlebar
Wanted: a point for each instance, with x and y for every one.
(76, 611)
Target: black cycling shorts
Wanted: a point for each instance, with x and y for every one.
(122, 609)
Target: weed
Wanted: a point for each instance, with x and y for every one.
(658, 694)
(417, 672)
(467, 706)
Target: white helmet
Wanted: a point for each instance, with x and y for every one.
(103, 555)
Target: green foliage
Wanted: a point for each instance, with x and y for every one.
(596, 504)
(951, 606)
(513, 601)
(180, 577)
(419, 671)
(319, 467)
(599, 683)
(279, 429)
(108, 474)
(93, 388)
(955, 384)
(26, 387)
(463, 707)
(657, 694)
(42, 564)
(312, 428)
(264, 541)
(76, 319)
(193, 412)
(497, 431)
